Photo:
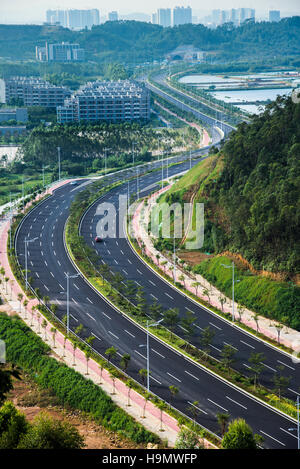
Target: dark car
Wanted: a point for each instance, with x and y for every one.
(98, 239)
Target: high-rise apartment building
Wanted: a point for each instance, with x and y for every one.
(164, 17)
(33, 91)
(123, 100)
(154, 18)
(274, 15)
(113, 16)
(63, 52)
(182, 15)
(74, 19)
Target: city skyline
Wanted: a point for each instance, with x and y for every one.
(15, 11)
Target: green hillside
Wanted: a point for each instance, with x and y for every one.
(133, 41)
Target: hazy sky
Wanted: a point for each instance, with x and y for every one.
(25, 11)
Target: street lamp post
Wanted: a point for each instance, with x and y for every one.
(148, 350)
(68, 276)
(58, 155)
(231, 267)
(105, 158)
(26, 241)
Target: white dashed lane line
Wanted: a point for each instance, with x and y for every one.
(218, 405)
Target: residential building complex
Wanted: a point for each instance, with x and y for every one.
(236, 16)
(182, 15)
(74, 19)
(33, 91)
(274, 15)
(164, 17)
(63, 52)
(113, 16)
(109, 101)
(18, 114)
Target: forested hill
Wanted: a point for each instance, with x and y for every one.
(258, 190)
(136, 41)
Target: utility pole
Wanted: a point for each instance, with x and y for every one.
(105, 158)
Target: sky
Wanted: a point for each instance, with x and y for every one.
(31, 11)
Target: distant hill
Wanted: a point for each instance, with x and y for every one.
(135, 41)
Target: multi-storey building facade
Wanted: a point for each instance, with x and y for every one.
(33, 91)
(63, 52)
(182, 15)
(109, 101)
(274, 15)
(164, 17)
(18, 114)
(74, 19)
(113, 16)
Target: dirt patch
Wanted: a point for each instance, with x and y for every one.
(193, 257)
(30, 400)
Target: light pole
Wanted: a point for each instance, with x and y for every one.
(26, 241)
(68, 276)
(148, 350)
(231, 267)
(137, 183)
(58, 154)
(133, 145)
(174, 256)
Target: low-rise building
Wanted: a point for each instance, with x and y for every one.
(33, 91)
(123, 100)
(60, 52)
(18, 114)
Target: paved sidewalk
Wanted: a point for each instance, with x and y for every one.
(289, 337)
(163, 425)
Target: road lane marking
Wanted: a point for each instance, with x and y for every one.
(140, 354)
(213, 402)
(153, 296)
(177, 379)
(113, 335)
(217, 327)
(284, 364)
(195, 377)
(155, 351)
(248, 345)
(267, 366)
(169, 296)
(196, 407)
(232, 400)
(96, 336)
(106, 315)
(89, 300)
(286, 431)
(129, 333)
(264, 433)
(91, 317)
(226, 343)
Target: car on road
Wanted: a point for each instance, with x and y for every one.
(98, 239)
(74, 183)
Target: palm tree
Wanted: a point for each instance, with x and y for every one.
(38, 318)
(125, 361)
(193, 409)
(129, 384)
(6, 281)
(147, 397)
(222, 421)
(111, 352)
(196, 286)
(222, 300)
(174, 391)
(25, 303)
(113, 376)
(143, 374)
(54, 331)
(278, 327)
(206, 293)
(182, 279)
(20, 298)
(161, 407)
(101, 366)
(44, 326)
(87, 354)
(256, 318)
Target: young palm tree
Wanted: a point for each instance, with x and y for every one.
(146, 399)
(53, 330)
(223, 421)
(20, 298)
(129, 384)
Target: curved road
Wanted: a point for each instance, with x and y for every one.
(48, 262)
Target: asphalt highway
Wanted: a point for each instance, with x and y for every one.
(48, 263)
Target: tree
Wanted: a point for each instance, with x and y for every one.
(280, 382)
(256, 361)
(7, 373)
(206, 293)
(222, 421)
(171, 319)
(111, 353)
(193, 409)
(47, 433)
(196, 286)
(256, 318)
(187, 439)
(13, 426)
(173, 390)
(113, 374)
(87, 354)
(125, 361)
(278, 328)
(228, 355)
(20, 298)
(143, 374)
(44, 326)
(207, 336)
(187, 324)
(25, 303)
(222, 300)
(54, 331)
(129, 384)
(147, 397)
(239, 436)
